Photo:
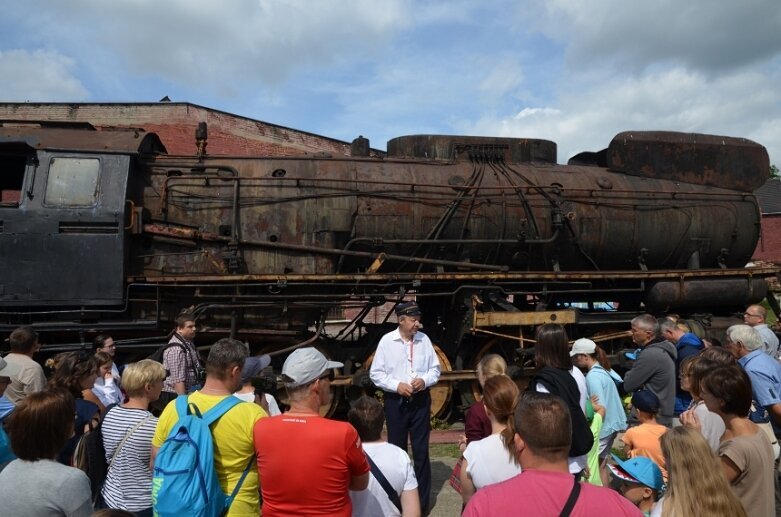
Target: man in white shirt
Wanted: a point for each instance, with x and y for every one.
(755, 317)
(405, 366)
(366, 415)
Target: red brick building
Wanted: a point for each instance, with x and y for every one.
(769, 246)
(175, 124)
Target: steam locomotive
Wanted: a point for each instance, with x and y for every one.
(102, 230)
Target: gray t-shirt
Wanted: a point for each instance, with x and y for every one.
(42, 489)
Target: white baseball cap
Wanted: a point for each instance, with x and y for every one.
(306, 365)
(7, 369)
(583, 346)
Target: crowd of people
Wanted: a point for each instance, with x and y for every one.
(691, 428)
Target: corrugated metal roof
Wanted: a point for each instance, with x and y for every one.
(769, 196)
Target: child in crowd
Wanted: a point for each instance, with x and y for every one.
(639, 480)
(643, 440)
(594, 415)
(105, 388)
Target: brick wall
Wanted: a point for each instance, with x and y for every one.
(769, 246)
(175, 124)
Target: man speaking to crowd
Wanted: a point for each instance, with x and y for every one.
(405, 366)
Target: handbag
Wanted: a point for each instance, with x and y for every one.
(455, 477)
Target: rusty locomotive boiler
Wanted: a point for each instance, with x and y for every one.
(104, 231)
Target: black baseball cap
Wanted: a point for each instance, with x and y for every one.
(407, 309)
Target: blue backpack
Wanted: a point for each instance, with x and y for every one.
(185, 481)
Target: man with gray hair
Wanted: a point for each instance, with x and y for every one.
(755, 317)
(746, 344)
(687, 344)
(654, 368)
(308, 463)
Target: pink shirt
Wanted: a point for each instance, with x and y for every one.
(538, 493)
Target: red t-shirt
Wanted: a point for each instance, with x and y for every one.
(538, 493)
(305, 464)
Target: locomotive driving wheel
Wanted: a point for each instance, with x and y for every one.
(441, 392)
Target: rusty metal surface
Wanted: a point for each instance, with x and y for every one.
(501, 319)
(448, 147)
(466, 277)
(127, 141)
(717, 161)
(701, 295)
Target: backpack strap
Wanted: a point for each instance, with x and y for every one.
(220, 409)
(230, 499)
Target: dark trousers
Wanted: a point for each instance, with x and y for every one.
(412, 417)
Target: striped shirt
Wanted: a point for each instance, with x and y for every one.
(128, 484)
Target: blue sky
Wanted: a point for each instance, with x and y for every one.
(573, 71)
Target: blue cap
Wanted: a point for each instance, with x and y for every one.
(639, 470)
(646, 401)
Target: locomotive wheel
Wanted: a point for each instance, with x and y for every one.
(326, 410)
(441, 392)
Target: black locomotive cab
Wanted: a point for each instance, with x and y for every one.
(62, 217)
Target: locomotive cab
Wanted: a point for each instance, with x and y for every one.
(62, 216)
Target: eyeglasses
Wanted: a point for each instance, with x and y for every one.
(751, 315)
(330, 376)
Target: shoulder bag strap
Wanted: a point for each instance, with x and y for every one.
(383, 481)
(125, 438)
(573, 498)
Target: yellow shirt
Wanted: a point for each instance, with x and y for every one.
(233, 447)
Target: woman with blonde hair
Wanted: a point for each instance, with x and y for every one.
(696, 485)
(127, 438)
(490, 460)
(476, 423)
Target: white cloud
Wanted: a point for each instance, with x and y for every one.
(39, 75)
(745, 104)
(224, 46)
(699, 34)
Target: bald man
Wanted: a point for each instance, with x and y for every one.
(755, 317)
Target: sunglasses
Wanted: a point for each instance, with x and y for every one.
(330, 376)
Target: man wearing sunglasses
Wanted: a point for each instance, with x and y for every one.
(307, 464)
(755, 317)
(405, 366)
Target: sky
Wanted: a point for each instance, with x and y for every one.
(573, 71)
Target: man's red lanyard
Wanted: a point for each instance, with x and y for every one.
(411, 356)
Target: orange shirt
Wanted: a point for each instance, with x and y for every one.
(644, 440)
(305, 464)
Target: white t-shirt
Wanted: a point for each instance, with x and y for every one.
(396, 466)
(488, 461)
